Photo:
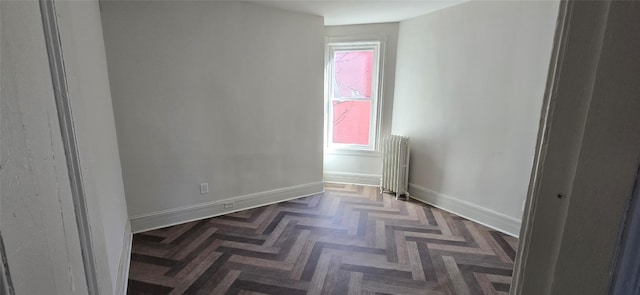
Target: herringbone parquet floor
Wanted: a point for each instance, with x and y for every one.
(349, 240)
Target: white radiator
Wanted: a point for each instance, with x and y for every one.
(395, 165)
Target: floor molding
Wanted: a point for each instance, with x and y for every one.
(125, 261)
(166, 218)
(352, 178)
(473, 212)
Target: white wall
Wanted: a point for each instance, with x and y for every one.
(469, 87)
(37, 223)
(366, 167)
(88, 81)
(218, 92)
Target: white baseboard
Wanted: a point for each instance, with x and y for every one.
(352, 178)
(125, 261)
(473, 212)
(166, 218)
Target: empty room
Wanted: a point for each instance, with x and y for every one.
(316, 147)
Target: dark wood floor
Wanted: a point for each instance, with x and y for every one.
(349, 240)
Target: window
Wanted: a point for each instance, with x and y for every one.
(352, 75)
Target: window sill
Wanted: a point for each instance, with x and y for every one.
(358, 153)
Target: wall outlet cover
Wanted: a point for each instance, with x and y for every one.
(204, 188)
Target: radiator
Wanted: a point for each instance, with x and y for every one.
(395, 165)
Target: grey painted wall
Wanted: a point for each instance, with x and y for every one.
(88, 81)
(37, 222)
(469, 86)
(218, 92)
(368, 163)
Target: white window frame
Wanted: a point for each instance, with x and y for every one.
(376, 81)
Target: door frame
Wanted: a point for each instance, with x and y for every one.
(6, 287)
(548, 107)
(69, 142)
(587, 153)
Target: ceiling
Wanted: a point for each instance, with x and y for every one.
(350, 12)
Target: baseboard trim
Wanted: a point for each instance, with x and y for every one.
(171, 217)
(473, 212)
(125, 261)
(352, 178)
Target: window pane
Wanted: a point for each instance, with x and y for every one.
(351, 121)
(352, 76)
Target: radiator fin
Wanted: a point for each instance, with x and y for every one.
(395, 165)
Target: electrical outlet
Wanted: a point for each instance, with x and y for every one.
(228, 205)
(204, 188)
